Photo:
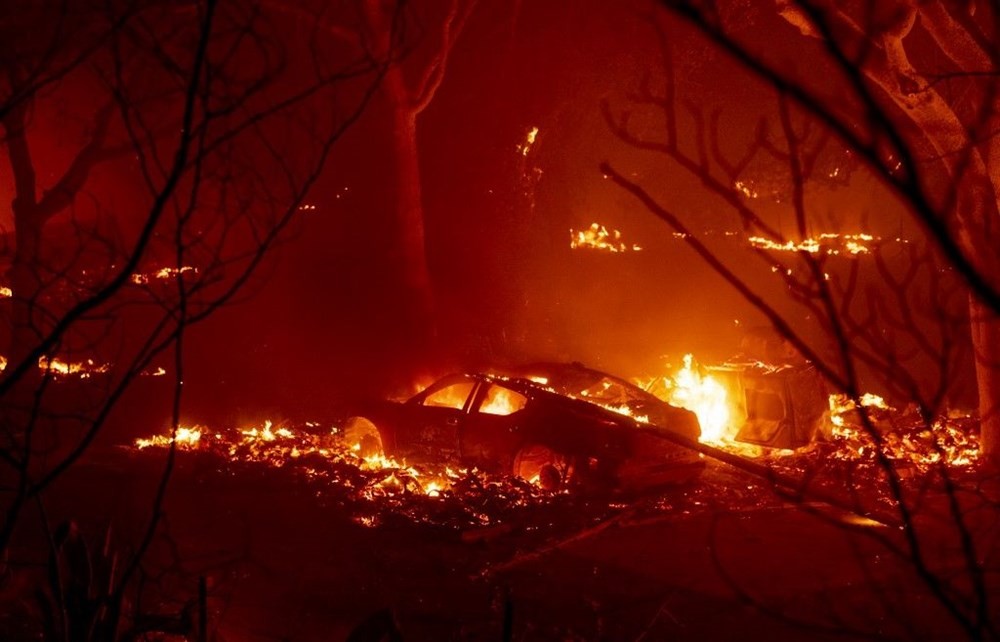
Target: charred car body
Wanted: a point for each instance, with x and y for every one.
(513, 425)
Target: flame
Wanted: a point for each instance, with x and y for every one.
(186, 438)
(529, 140)
(5, 292)
(828, 243)
(502, 401)
(704, 396)
(597, 237)
(60, 368)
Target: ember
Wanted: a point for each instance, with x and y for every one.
(162, 274)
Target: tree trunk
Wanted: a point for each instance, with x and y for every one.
(986, 344)
(28, 223)
(406, 233)
(409, 246)
(25, 284)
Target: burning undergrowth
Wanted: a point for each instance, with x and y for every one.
(906, 437)
(375, 490)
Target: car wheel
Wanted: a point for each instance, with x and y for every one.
(542, 466)
(363, 437)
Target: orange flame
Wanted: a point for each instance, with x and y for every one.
(704, 396)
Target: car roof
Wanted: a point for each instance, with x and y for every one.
(558, 370)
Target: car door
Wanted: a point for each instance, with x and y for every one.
(491, 431)
(434, 418)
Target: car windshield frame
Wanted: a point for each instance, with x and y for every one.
(442, 383)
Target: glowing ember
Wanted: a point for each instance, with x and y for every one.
(746, 189)
(5, 292)
(597, 237)
(162, 274)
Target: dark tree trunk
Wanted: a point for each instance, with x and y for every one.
(24, 274)
(986, 344)
(409, 241)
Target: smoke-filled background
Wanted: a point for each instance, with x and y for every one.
(319, 321)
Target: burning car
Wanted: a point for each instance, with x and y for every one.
(614, 393)
(514, 425)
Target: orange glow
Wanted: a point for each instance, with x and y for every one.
(5, 292)
(597, 237)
